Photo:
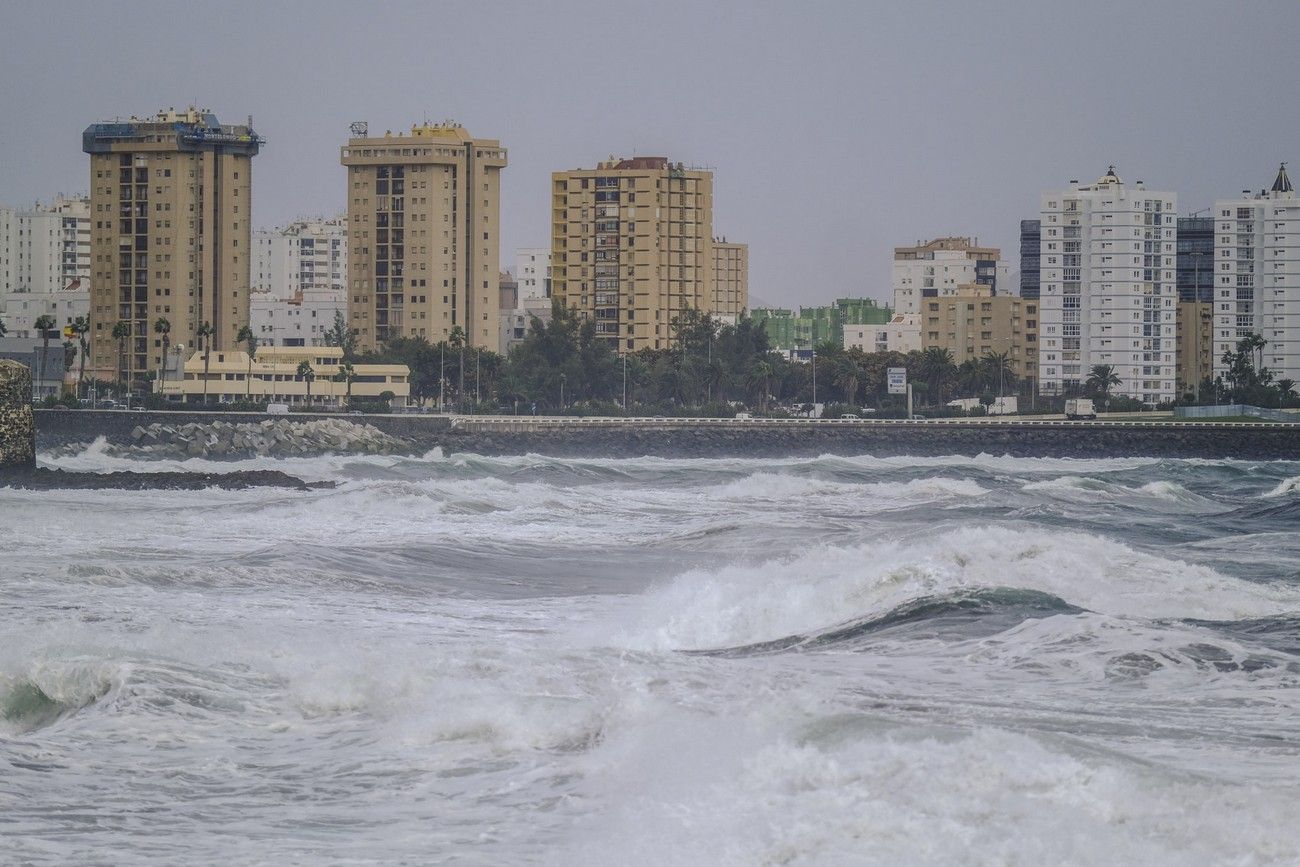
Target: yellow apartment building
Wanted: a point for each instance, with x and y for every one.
(1195, 347)
(730, 279)
(632, 247)
(170, 205)
(424, 223)
(272, 375)
(972, 321)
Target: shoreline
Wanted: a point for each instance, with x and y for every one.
(757, 438)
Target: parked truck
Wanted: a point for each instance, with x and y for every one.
(1004, 406)
(1077, 408)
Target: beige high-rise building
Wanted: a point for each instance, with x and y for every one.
(1195, 348)
(170, 204)
(970, 322)
(632, 247)
(730, 279)
(423, 234)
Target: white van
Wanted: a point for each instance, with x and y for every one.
(277, 409)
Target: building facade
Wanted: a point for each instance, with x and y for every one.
(299, 282)
(632, 247)
(976, 323)
(943, 266)
(830, 323)
(1194, 324)
(730, 280)
(424, 214)
(1196, 259)
(1108, 292)
(170, 203)
(272, 375)
(1030, 240)
(533, 272)
(1257, 275)
(44, 264)
(304, 256)
(901, 333)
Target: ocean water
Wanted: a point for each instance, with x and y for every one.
(527, 660)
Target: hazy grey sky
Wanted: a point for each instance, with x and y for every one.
(837, 129)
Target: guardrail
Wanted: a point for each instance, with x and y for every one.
(530, 423)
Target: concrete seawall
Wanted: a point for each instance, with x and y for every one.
(755, 438)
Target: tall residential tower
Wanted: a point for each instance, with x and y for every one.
(632, 247)
(1257, 275)
(1108, 290)
(424, 221)
(170, 203)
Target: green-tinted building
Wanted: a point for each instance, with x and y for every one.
(814, 325)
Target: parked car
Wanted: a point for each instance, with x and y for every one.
(850, 415)
(277, 409)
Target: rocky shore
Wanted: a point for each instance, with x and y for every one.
(278, 438)
(43, 479)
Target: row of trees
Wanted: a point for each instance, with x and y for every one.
(711, 367)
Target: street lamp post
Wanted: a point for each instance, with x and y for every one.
(625, 383)
(563, 378)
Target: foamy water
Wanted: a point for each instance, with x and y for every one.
(471, 660)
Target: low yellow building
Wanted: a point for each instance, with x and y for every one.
(272, 375)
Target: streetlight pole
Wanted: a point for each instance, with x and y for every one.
(563, 378)
(442, 378)
(625, 383)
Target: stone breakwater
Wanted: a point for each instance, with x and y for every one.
(417, 434)
(282, 437)
(17, 425)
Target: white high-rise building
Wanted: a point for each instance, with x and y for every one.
(300, 257)
(299, 281)
(44, 264)
(533, 271)
(1109, 292)
(1257, 276)
(941, 267)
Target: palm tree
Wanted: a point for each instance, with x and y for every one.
(346, 374)
(935, 366)
(246, 336)
(121, 333)
(205, 333)
(163, 327)
(997, 369)
(1286, 387)
(849, 373)
(44, 324)
(81, 327)
(760, 378)
(3, 329)
(1101, 379)
(307, 375)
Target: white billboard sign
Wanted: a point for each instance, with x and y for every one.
(897, 379)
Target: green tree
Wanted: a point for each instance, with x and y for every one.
(346, 375)
(1286, 387)
(249, 339)
(162, 326)
(44, 325)
(759, 378)
(81, 327)
(936, 368)
(1101, 380)
(205, 333)
(341, 336)
(307, 375)
(848, 373)
(121, 333)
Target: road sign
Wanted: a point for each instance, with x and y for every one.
(897, 379)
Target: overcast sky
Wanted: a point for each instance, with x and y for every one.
(837, 129)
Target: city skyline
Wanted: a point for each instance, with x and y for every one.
(824, 161)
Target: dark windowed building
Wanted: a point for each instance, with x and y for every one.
(1030, 235)
(1195, 259)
